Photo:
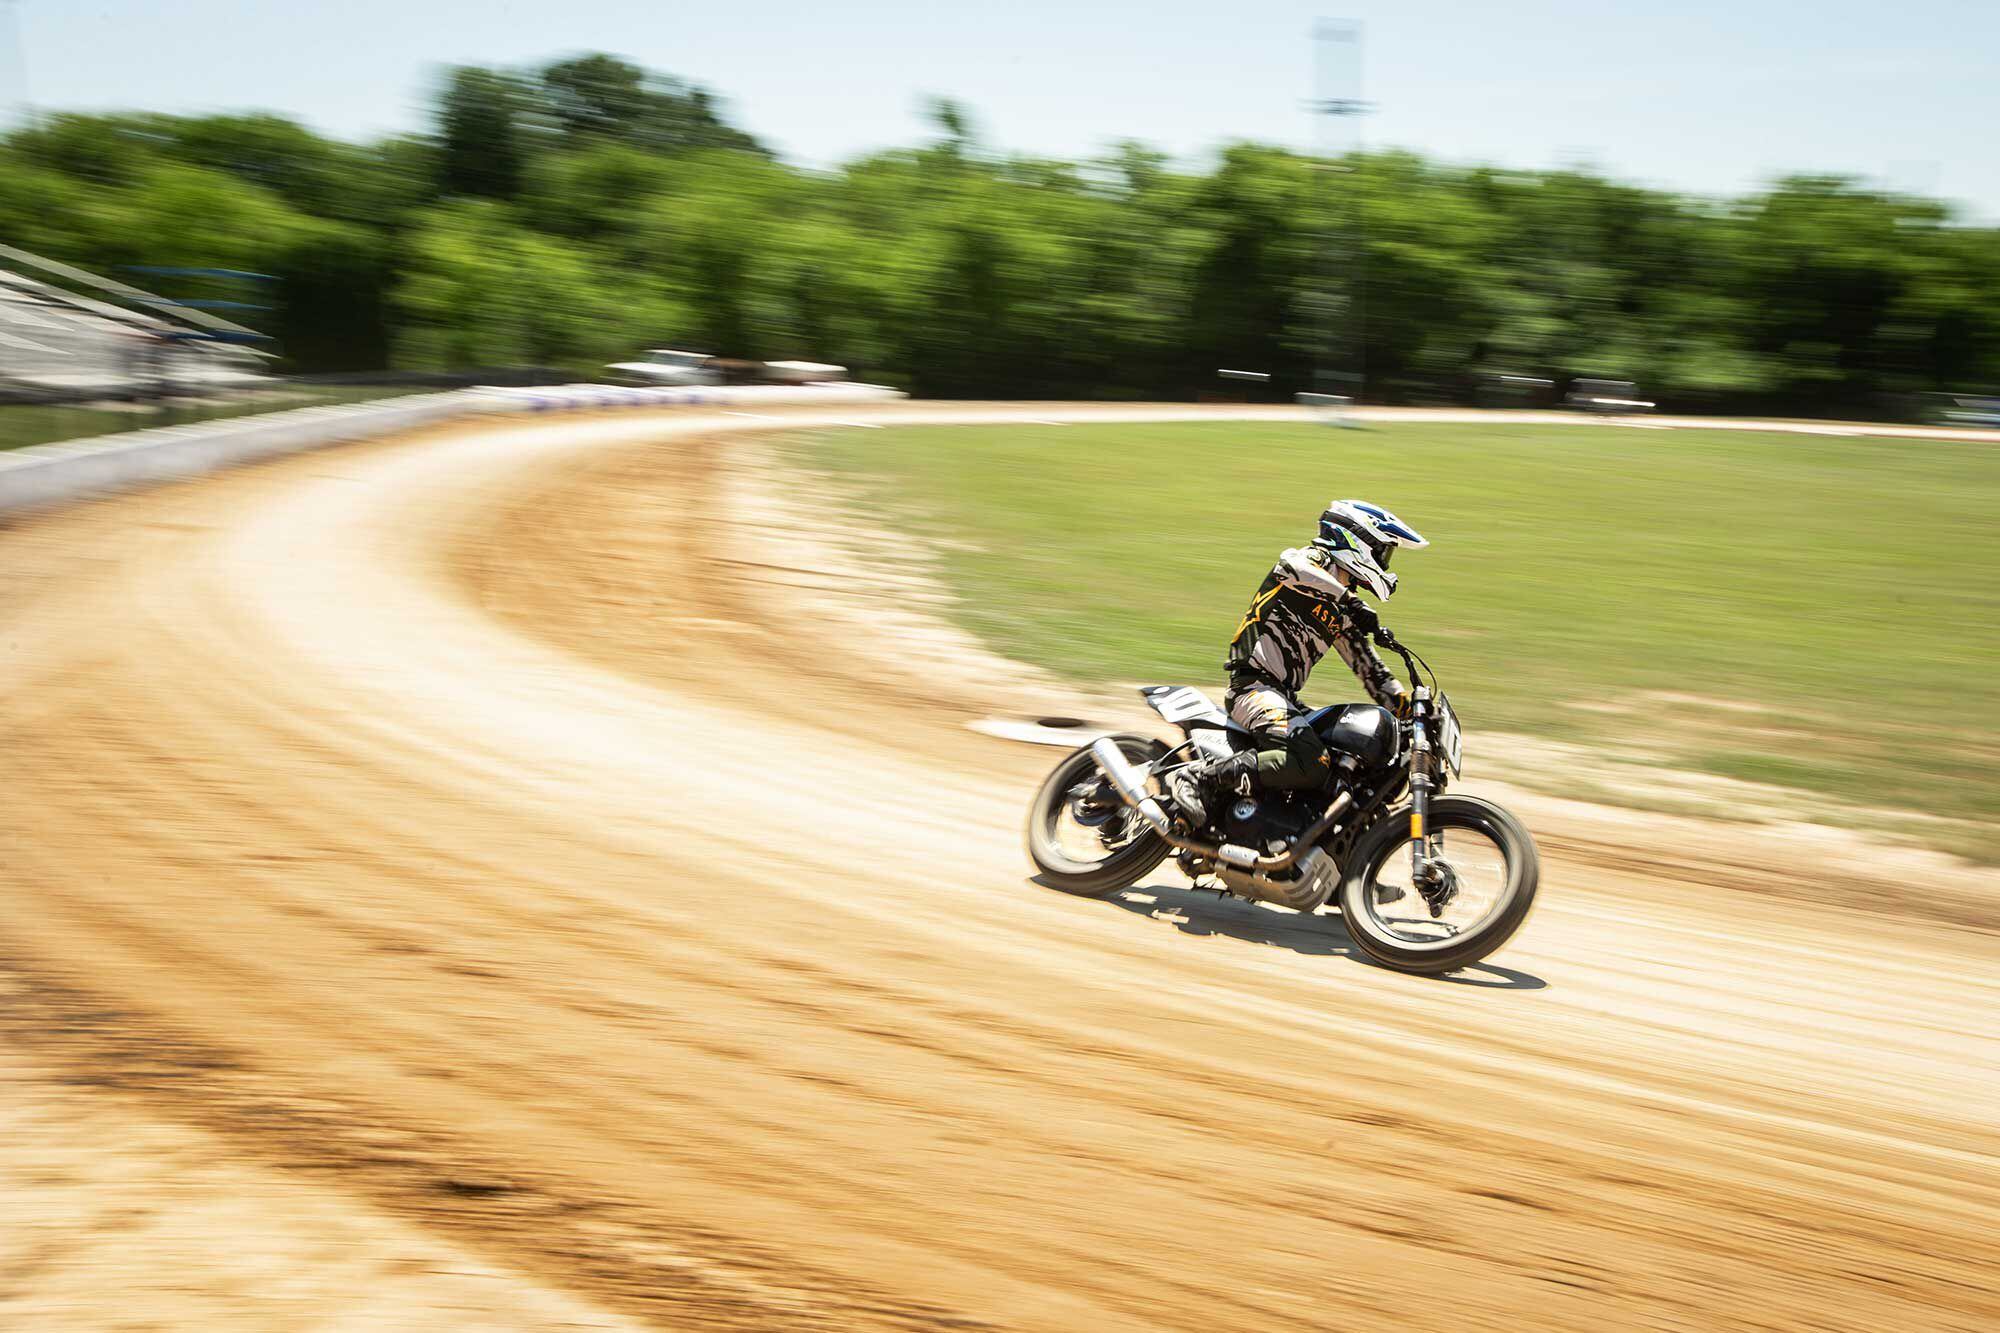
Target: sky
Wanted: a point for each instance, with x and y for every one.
(1708, 96)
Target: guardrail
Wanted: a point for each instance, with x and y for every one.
(51, 474)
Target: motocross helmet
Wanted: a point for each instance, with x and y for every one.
(1359, 538)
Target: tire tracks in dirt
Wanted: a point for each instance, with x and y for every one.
(467, 826)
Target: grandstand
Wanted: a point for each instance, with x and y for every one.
(60, 344)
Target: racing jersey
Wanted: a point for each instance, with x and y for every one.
(1295, 617)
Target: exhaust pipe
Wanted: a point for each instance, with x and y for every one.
(1130, 785)
(1305, 889)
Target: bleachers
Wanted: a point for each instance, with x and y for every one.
(59, 344)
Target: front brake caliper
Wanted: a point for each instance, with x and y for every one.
(1438, 885)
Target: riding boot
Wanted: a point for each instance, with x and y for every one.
(1198, 785)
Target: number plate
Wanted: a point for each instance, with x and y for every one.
(1450, 743)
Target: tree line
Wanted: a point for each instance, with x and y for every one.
(573, 214)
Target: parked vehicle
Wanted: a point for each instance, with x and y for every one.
(668, 367)
(1605, 396)
(1967, 409)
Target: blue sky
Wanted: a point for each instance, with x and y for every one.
(1698, 94)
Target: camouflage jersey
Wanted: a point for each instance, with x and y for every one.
(1296, 616)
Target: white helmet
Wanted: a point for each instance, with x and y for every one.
(1360, 537)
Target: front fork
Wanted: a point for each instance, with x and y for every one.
(1422, 764)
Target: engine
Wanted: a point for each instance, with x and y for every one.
(1268, 826)
(1269, 822)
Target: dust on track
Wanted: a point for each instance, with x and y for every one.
(463, 828)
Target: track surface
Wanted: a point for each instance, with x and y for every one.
(461, 832)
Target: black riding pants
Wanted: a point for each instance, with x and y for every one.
(1289, 753)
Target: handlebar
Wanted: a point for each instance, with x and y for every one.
(1388, 640)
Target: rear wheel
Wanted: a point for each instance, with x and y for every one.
(1081, 836)
(1489, 871)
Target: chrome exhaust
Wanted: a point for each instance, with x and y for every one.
(1130, 785)
(1305, 889)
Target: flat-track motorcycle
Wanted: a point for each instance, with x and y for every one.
(1425, 881)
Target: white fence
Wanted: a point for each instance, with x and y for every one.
(48, 474)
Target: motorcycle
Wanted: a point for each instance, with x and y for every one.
(1425, 882)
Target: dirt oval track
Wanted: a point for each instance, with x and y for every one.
(451, 870)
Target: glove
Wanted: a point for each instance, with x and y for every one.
(1361, 618)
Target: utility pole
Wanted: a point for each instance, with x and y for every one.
(1340, 361)
(17, 64)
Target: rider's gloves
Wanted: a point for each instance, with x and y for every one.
(1360, 617)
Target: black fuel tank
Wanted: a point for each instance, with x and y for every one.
(1365, 731)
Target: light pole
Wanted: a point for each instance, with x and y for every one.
(17, 47)
(1340, 363)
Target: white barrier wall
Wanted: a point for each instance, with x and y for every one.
(49, 474)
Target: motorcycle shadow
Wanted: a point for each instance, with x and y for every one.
(1200, 912)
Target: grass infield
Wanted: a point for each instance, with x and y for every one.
(1815, 612)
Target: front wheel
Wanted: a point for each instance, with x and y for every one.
(1489, 871)
(1081, 836)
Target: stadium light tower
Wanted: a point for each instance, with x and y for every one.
(1340, 351)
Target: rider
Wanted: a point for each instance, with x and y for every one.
(1309, 602)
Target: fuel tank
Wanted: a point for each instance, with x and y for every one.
(1365, 731)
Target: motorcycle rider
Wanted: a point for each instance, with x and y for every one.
(1308, 603)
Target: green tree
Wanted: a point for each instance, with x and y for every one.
(604, 98)
(585, 209)
(481, 132)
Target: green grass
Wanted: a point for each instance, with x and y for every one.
(24, 424)
(1827, 610)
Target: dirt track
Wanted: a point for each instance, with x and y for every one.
(444, 889)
